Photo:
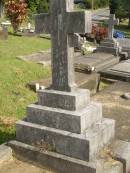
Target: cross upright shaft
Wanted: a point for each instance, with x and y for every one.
(112, 21)
(62, 22)
(62, 53)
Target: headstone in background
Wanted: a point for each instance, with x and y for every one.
(111, 23)
(4, 30)
(3, 33)
(125, 45)
(110, 45)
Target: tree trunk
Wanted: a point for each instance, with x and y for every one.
(15, 27)
(129, 21)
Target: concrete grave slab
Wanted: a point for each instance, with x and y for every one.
(95, 62)
(125, 44)
(120, 71)
(85, 64)
(42, 57)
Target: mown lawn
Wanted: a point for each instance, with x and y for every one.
(14, 75)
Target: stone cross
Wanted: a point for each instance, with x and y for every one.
(62, 22)
(111, 22)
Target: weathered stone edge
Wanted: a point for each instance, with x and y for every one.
(52, 160)
(5, 153)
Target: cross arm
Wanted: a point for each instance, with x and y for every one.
(79, 22)
(116, 22)
(42, 23)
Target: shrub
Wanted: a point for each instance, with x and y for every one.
(16, 11)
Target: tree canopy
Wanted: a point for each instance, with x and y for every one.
(121, 8)
(38, 6)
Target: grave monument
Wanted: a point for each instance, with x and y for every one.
(65, 130)
(110, 45)
(125, 45)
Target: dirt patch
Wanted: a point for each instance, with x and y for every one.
(7, 121)
(116, 107)
(16, 166)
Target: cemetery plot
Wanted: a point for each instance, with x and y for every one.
(43, 57)
(125, 44)
(95, 62)
(86, 64)
(65, 130)
(120, 71)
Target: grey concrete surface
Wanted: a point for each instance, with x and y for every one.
(72, 121)
(76, 100)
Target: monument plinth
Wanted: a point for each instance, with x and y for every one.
(65, 130)
(110, 45)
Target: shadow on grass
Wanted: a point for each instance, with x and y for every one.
(15, 34)
(6, 134)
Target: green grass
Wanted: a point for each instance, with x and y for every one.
(14, 75)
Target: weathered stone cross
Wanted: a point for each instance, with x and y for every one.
(111, 22)
(62, 22)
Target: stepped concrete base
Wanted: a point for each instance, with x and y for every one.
(72, 121)
(75, 100)
(81, 146)
(61, 163)
(120, 71)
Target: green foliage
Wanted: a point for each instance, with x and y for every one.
(38, 6)
(96, 3)
(16, 11)
(43, 6)
(113, 5)
(121, 8)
